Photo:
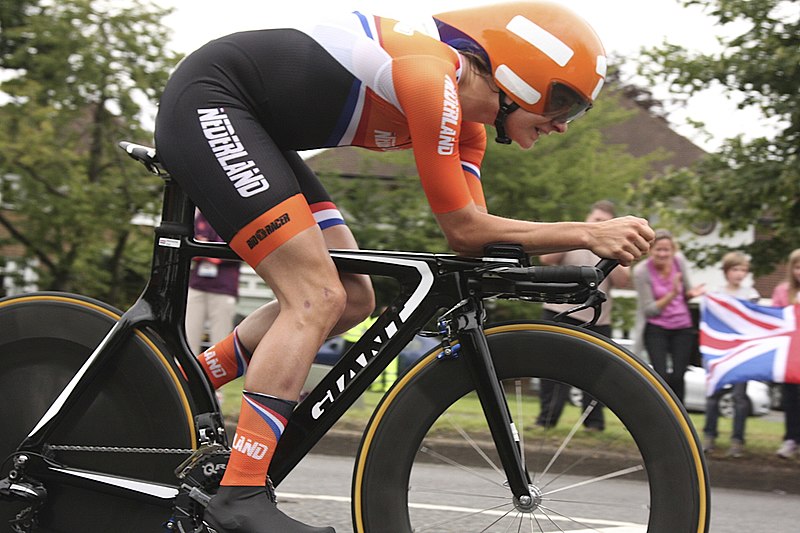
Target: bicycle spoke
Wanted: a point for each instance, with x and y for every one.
(451, 520)
(568, 438)
(458, 465)
(549, 518)
(600, 503)
(420, 489)
(498, 520)
(582, 524)
(618, 473)
(579, 461)
(520, 422)
(474, 445)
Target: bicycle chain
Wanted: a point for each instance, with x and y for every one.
(118, 449)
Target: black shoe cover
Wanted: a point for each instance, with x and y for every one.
(251, 510)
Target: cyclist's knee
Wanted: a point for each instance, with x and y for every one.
(319, 306)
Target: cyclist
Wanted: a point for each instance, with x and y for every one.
(235, 111)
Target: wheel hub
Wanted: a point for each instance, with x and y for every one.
(528, 504)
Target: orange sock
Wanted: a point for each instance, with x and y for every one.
(261, 423)
(225, 361)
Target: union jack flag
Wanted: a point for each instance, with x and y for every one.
(740, 341)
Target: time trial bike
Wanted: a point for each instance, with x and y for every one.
(110, 425)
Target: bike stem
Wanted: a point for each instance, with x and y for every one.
(493, 401)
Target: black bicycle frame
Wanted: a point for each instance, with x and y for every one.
(428, 283)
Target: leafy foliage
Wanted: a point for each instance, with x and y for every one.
(79, 73)
(746, 182)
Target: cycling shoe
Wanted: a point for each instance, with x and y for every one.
(251, 510)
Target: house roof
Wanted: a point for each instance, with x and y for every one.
(644, 133)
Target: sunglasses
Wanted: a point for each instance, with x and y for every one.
(564, 104)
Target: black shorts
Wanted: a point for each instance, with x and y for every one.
(229, 123)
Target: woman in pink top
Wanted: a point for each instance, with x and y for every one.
(664, 322)
(788, 293)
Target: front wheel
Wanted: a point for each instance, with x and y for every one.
(427, 462)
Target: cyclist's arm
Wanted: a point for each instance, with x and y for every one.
(469, 229)
(552, 259)
(424, 89)
(427, 92)
(472, 147)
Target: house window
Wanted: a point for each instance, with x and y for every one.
(9, 186)
(17, 277)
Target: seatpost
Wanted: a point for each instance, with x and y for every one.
(171, 262)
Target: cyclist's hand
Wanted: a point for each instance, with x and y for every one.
(625, 239)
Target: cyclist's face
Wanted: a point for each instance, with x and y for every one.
(525, 127)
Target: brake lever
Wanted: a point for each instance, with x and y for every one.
(596, 299)
(594, 302)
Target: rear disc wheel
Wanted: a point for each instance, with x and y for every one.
(136, 402)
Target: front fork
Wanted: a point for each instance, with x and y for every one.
(474, 348)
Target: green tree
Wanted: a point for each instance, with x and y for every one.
(745, 182)
(79, 84)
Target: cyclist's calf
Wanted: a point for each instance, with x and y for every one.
(360, 302)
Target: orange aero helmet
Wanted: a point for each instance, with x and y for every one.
(545, 57)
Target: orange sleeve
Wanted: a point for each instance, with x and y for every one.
(473, 147)
(428, 94)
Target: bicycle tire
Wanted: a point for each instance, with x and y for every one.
(397, 438)
(137, 400)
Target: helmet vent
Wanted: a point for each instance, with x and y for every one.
(515, 85)
(549, 44)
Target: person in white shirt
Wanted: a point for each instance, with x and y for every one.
(736, 267)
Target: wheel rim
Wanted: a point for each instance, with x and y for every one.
(405, 419)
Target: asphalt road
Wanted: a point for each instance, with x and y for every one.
(318, 491)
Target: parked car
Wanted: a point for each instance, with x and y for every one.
(758, 395)
(333, 348)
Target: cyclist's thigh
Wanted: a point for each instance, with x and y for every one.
(326, 213)
(336, 233)
(228, 164)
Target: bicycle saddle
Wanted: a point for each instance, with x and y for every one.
(145, 155)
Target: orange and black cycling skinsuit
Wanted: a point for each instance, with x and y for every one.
(235, 112)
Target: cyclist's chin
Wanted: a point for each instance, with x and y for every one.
(526, 144)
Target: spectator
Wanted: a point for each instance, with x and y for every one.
(788, 293)
(553, 395)
(663, 320)
(213, 290)
(735, 267)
